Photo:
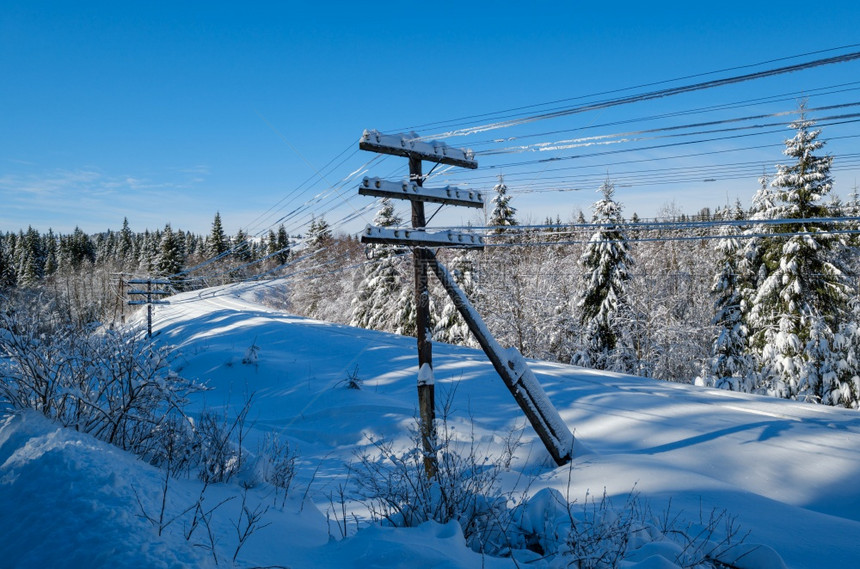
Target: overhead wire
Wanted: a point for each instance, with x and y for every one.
(462, 120)
(648, 96)
(785, 97)
(331, 198)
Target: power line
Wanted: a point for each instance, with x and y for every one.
(613, 91)
(637, 134)
(649, 96)
(822, 91)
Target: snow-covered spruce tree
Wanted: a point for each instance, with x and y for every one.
(171, 257)
(7, 272)
(242, 250)
(605, 264)
(125, 246)
(730, 367)
(384, 299)
(307, 288)
(217, 243)
(278, 246)
(451, 328)
(804, 299)
(503, 214)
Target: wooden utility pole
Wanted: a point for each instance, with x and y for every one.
(509, 364)
(416, 150)
(149, 293)
(426, 384)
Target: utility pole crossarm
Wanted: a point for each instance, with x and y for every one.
(411, 146)
(149, 281)
(419, 238)
(448, 195)
(159, 292)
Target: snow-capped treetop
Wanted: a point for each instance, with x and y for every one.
(386, 217)
(803, 184)
(319, 233)
(503, 214)
(607, 209)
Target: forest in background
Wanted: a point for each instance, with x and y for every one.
(757, 298)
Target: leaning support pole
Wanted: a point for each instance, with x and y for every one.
(512, 368)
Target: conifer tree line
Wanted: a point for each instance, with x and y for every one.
(86, 271)
(766, 307)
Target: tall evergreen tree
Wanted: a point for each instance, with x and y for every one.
(384, 299)
(803, 301)
(308, 293)
(217, 243)
(242, 247)
(170, 255)
(730, 366)
(319, 234)
(51, 246)
(7, 270)
(125, 248)
(282, 246)
(450, 327)
(605, 263)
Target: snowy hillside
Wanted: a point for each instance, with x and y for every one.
(787, 471)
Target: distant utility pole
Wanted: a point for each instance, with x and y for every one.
(149, 293)
(508, 363)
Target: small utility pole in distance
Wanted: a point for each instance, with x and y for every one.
(148, 301)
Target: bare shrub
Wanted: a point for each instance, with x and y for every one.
(597, 534)
(277, 465)
(218, 444)
(396, 490)
(114, 385)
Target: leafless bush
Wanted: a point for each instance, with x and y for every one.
(277, 465)
(710, 539)
(395, 488)
(218, 443)
(250, 520)
(600, 535)
(597, 534)
(114, 385)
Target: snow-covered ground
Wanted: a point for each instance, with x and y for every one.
(787, 471)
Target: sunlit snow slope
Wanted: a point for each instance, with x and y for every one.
(788, 471)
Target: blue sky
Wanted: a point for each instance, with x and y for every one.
(169, 112)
